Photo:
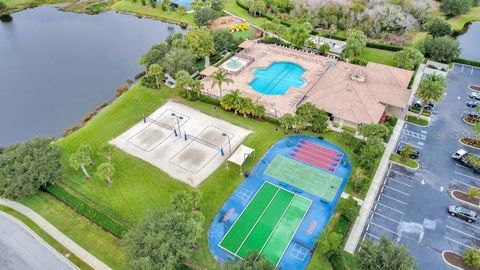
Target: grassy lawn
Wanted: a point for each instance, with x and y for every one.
(232, 7)
(459, 22)
(378, 56)
(409, 163)
(46, 237)
(419, 121)
(16, 5)
(244, 35)
(147, 10)
(88, 235)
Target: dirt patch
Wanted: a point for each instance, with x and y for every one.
(224, 22)
(462, 196)
(456, 260)
(474, 87)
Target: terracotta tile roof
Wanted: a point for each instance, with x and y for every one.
(360, 101)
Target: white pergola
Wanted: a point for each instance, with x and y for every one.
(240, 155)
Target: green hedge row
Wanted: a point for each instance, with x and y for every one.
(385, 47)
(467, 62)
(86, 210)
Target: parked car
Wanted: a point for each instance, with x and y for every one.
(472, 104)
(415, 153)
(462, 156)
(474, 114)
(418, 104)
(475, 95)
(463, 213)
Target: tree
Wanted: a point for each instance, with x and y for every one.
(369, 152)
(430, 90)
(245, 106)
(441, 49)
(329, 243)
(473, 192)
(163, 240)
(287, 121)
(25, 167)
(256, 7)
(388, 18)
(81, 159)
(374, 130)
(186, 201)
(316, 117)
(299, 33)
(384, 255)
(106, 171)
(153, 56)
(179, 59)
(3, 7)
(223, 40)
(409, 58)
(204, 16)
(253, 261)
(356, 42)
(406, 152)
(106, 151)
(259, 111)
(200, 43)
(219, 78)
(471, 256)
(476, 130)
(358, 179)
(348, 208)
(155, 70)
(231, 101)
(453, 8)
(218, 5)
(183, 79)
(300, 123)
(439, 27)
(196, 88)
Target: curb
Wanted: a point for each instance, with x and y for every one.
(411, 123)
(461, 201)
(468, 123)
(454, 266)
(403, 165)
(467, 145)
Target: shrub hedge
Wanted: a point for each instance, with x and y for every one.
(86, 210)
(467, 62)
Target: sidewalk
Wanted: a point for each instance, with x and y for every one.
(358, 226)
(56, 234)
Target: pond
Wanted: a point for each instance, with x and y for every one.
(55, 67)
(469, 42)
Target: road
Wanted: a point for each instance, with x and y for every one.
(19, 249)
(411, 207)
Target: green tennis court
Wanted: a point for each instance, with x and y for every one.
(267, 224)
(304, 177)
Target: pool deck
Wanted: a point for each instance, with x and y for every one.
(265, 55)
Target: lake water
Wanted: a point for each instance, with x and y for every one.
(55, 67)
(469, 42)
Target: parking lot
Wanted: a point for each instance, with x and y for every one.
(411, 207)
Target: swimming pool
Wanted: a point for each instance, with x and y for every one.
(277, 78)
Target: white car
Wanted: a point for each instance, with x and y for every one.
(475, 95)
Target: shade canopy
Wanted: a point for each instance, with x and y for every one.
(241, 154)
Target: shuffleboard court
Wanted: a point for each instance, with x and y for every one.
(267, 224)
(304, 177)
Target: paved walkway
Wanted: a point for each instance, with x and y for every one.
(356, 233)
(56, 234)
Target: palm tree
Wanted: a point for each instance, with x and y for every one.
(219, 78)
(287, 121)
(106, 171)
(81, 159)
(300, 123)
(155, 70)
(406, 152)
(430, 90)
(183, 80)
(245, 106)
(196, 88)
(231, 101)
(259, 111)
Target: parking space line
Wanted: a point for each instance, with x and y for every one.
(455, 241)
(393, 199)
(463, 183)
(391, 208)
(401, 192)
(414, 134)
(381, 227)
(468, 176)
(400, 182)
(415, 146)
(411, 177)
(378, 214)
(461, 166)
(369, 234)
(464, 233)
(464, 222)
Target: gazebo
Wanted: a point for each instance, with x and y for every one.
(240, 155)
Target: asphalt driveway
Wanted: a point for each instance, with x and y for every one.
(411, 207)
(19, 249)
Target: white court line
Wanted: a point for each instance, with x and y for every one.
(391, 208)
(463, 183)
(401, 192)
(464, 222)
(468, 176)
(455, 241)
(464, 233)
(375, 213)
(408, 176)
(393, 199)
(400, 182)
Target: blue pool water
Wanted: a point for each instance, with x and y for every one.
(277, 78)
